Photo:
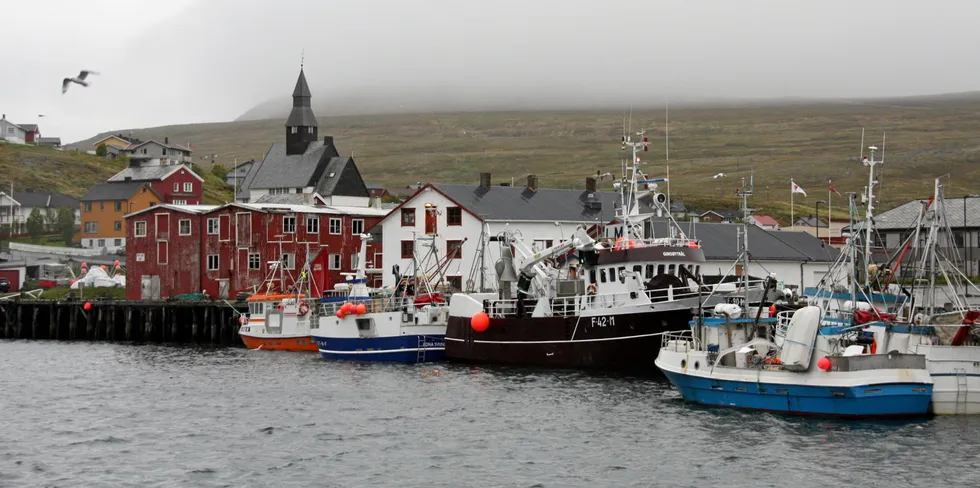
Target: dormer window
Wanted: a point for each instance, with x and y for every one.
(293, 130)
(309, 130)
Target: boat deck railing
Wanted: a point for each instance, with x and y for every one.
(672, 341)
(375, 305)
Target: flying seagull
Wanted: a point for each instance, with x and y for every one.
(80, 79)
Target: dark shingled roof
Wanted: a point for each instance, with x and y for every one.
(279, 170)
(720, 242)
(519, 203)
(112, 191)
(28, 127)
(346, 179)
(49, 140)
(288, 199)
(302, 114)
(904, 216)
(40, 199)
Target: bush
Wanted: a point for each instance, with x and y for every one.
(101, 150)
(219, 171)
(35, 225)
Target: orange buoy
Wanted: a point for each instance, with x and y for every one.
(874, 346)
(480, 322)
(340, 313)
(346, 307)
(87, 306)
(361, 308)
(824, 363)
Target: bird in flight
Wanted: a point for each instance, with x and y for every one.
(80, 79)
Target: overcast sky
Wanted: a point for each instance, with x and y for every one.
(182, 61)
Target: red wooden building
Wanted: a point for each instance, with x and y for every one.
(175, 183)
(229, 248)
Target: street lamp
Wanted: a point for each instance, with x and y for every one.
(816, 211)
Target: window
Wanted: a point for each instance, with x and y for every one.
(454, 249)
(212, 227)
(353, 262)
(101, 242)
(88, 206)
(454, 216)
(602, 275)
(649, 272)
(408, 249)
(278, 191)
(176, 187)
(288, 260)
(212, 262)
(184, 227)
(188, 187)
(334, 262)
(357, 227)
(289, 224)
(335, 226)
(102, 206)
(117, 225)
(312, 224)
(118, 207)
(117, 242)
(456, 282)
(254, 261)
(309, 130)
(408, 217)
(91, 227)
(143, 150)
(139, 229)
(177, 202)
(292, 130)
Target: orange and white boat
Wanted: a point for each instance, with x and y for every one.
(280, 315)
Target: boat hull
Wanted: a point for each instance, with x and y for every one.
(405, 348)
(295, 343)
(889, 400)
(627, 342)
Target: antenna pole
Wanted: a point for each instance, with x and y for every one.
(862, 143)
(667, 148)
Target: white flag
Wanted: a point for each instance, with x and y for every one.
(797, 189)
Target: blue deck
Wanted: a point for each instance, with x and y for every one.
(890, 400)
(405, 349)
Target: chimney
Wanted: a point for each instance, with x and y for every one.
(4, 117)
(485, 180)
(590, 184)
(166, 140)
(532, 182)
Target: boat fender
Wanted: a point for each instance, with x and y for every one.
(591, 289)
(304, 308)
(242, 319)
(874, 347)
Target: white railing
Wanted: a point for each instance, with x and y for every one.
(376, 305)
(670, 340)
(35, 294)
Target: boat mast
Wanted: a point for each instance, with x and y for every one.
(746, 191)
(869, 213)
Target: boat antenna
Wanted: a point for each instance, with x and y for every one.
(667, 148)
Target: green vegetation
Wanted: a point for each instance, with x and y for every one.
(101, 150)
(219, 171)
(74, 173)
(810, 142)
(118, 293)
(65, 225)
(35, 225)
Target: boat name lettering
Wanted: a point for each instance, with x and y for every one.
(674, 253)
(603, 321)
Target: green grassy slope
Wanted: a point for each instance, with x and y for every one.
(72, 173)
(811, 142)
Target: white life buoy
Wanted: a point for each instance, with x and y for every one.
(304, 308)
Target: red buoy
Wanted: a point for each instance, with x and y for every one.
(480, 322)
(87, 306)
(361, 308)
(340, 313)
(824, 363)
(346, 307)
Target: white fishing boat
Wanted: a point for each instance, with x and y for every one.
(281, 311)
(409, 325)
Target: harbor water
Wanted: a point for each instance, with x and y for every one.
(94, 414)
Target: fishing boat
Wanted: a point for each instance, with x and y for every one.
(604, 308)
(809, 371)
(281, 312)
(407, 325)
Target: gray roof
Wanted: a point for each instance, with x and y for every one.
(28, 127)
(49, 140)
(904, 216)
(287, 198)
(346, 179)
(811, 221)
(41, 199)
(678, 207)
(374, 186)
(727, 214)
(301, 114)
(112, 191)
(279, 170)
(518, 203)
(720, 242)
(144, 173)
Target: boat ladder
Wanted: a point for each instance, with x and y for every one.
(961, 390)
(420, 356)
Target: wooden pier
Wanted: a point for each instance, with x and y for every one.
(206, 323)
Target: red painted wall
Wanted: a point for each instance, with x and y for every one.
(165, 253)
(165, 188)
(13, 276)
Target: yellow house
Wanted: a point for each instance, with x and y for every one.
(103, 207)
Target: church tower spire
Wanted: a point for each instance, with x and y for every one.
(301, 126)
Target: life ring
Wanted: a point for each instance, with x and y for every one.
(304, 308)
(591, 289)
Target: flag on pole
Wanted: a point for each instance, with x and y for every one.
(830, 186)
(796, 188)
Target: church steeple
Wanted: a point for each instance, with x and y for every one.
(301, 126)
